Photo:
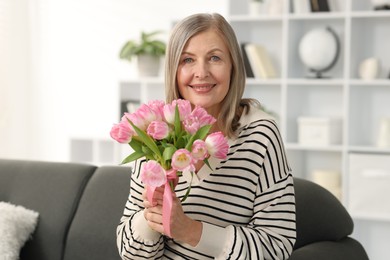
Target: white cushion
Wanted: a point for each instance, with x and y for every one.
(16, 226)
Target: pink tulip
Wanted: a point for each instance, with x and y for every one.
(136, 120)
(152, 174)
(169, 113)
(122, 132)
(158, 130)
(184, 107)
(191, 124)
(157, 107)
(203, 117)
(182, 160)
(199, 150)
(217, 145)
(145, 114)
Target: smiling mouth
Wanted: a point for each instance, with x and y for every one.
(202, 87)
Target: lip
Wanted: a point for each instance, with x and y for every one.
(202, 87)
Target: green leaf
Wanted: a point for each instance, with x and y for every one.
(132, 157)
(206, 161)
(189, 189)
(136, 144)
(177, 123)
(181, 142)
(203, 131)
(168, 152)
(147, 140)
(200, 134)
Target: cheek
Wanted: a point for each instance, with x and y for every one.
(183, 79)
(183, 76)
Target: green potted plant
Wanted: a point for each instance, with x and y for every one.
(148, 51)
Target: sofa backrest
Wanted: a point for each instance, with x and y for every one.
(92, 234)
(53, 190)
(320, 216)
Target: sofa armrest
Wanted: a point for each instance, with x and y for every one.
(347, 248)
(320, 216)
(53, 190)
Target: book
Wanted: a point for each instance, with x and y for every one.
(301, 6)
(319, 5)
(248, 68)
(260, 61)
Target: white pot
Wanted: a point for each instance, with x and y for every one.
(369, 69)
(384, 133)
(256, 8)
(148, 66)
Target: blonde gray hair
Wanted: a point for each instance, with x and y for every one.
(232, 105)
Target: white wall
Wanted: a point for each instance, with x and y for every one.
(15, 77)
(71, 87)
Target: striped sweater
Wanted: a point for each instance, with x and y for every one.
(246, 204)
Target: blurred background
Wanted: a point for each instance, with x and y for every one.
(60, 67)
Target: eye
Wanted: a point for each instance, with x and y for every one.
(215, 58)
(187, 60)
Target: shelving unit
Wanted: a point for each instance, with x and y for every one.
(363, 33)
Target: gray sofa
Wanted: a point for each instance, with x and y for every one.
(80, 206)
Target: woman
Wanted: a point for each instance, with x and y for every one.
(245, 207)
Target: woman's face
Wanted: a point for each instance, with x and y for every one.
(203, 75)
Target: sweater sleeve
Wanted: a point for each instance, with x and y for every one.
(271, 232)
(135, 240)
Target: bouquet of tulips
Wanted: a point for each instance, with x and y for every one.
(172, 138)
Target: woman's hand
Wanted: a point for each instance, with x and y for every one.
(153, 213)
(183, 228)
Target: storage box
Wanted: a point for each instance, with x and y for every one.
(369, 185)
(319, 130)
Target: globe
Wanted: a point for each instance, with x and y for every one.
(319, 49)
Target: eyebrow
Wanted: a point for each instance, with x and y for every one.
(211, 51)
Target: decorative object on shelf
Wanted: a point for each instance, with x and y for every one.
(319, 5)
(148, 52)
(319, 50)
(384, 133)
(275, 7)
(319, 130)
(369, 181)
(329, 179)
(301, 6)
(259, 61)
(381, 4)
(256, 7)
(369, 68)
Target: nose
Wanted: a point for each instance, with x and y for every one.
(202, 70)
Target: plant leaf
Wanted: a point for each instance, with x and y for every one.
(147, 140)
(132, 157)
(168, 152)
(206, 161)
(135, 144)
(200, 134)
(189, 189)
(177, 123)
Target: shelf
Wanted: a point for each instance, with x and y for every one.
(260, 18)
(368, 150)
(317, 16)
(300, 147)
(315, 81)
(370, 217)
